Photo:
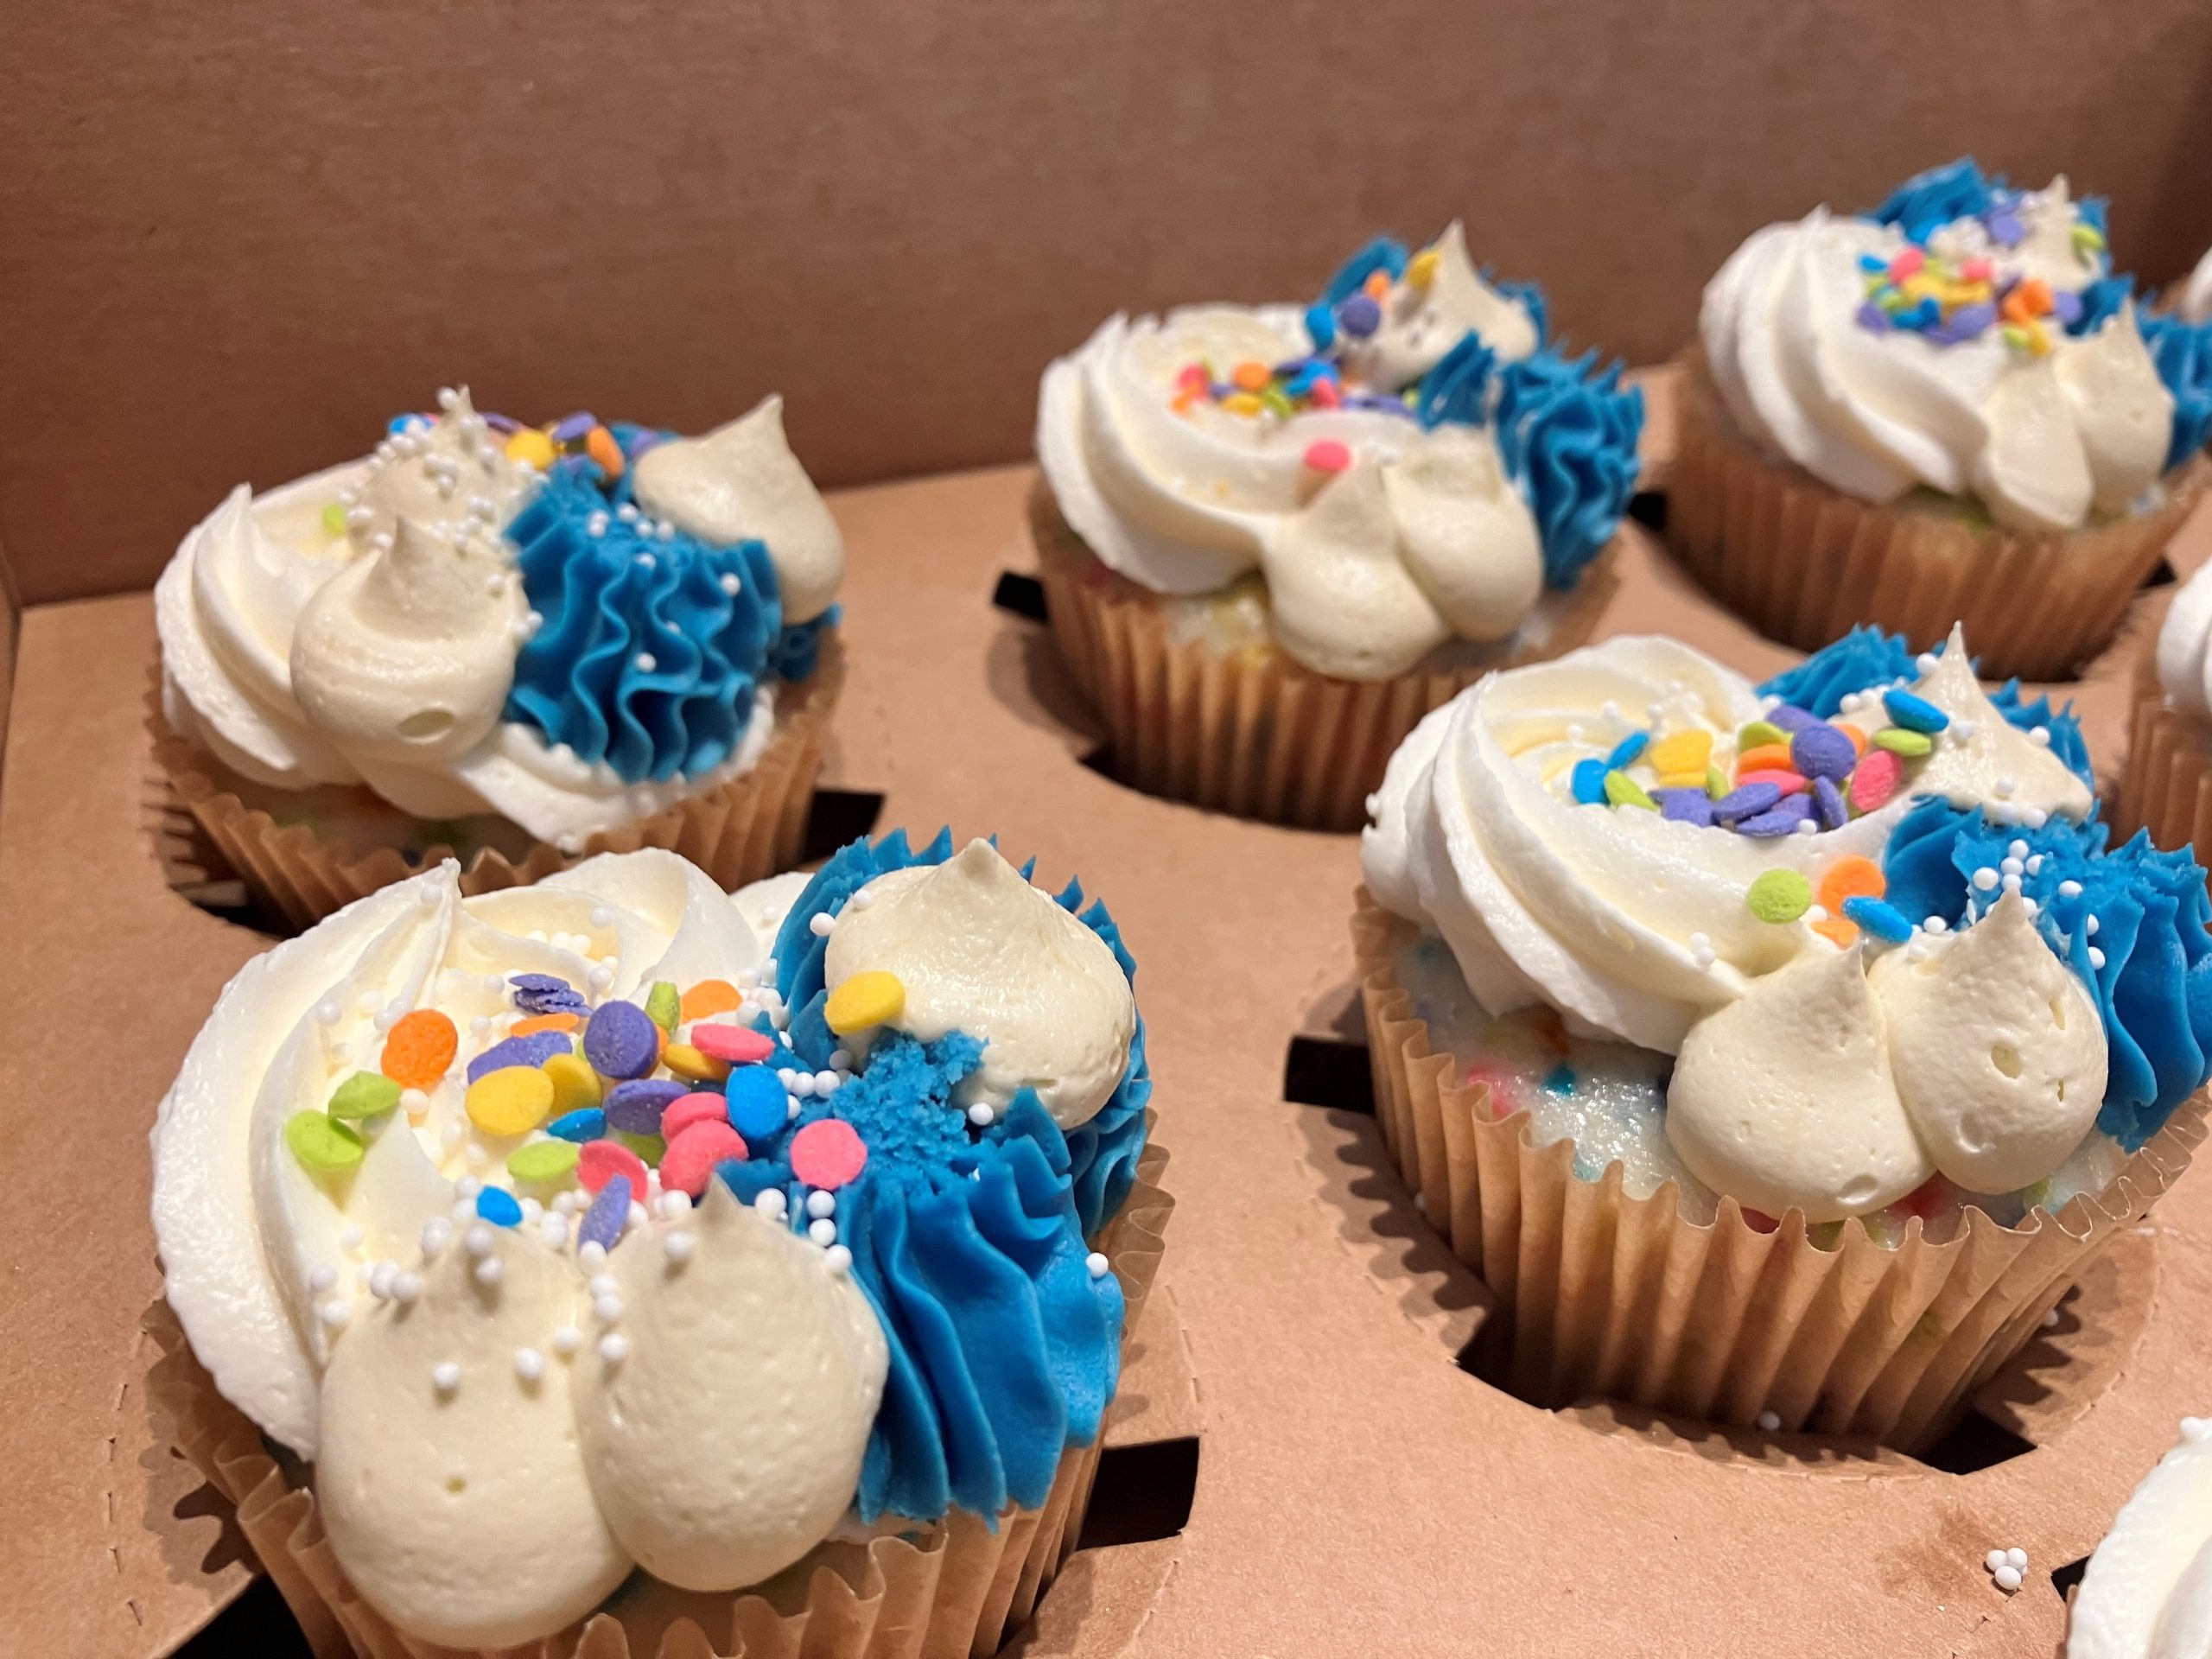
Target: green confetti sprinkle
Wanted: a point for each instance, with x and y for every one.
(649, 1148)
(1624, 790)
(663, 1004)
(1716, 782)
(1898, 740)
(1780, 896)
(1758, 732)
(321, 1143)
(365, 1094)
(333, 518)
(544, 1161)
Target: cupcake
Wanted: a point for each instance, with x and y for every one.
(611, 1250)
(2163, 785)
(1777, 1055)
(1946, 409)
(518, 646)
(2147, 1591)
(1272, 537)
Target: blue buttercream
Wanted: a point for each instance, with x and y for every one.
(2151, 980)
(1458, 388)
(1385, 253)
(797, 651)
(2183, 353)
(970, 1243)
(2101, 300)
(615, 601)
(1867, 657)
(1928, 200)
(1568, 434)
(1531, 298)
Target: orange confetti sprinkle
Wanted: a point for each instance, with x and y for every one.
(1837, 931)
(599, 444)
(1378, 284)
(1765, 757)
(1251, 376)
(419, 1048)
(1858, 738)
(1850, 877)
(543, 1023)
(706, 999)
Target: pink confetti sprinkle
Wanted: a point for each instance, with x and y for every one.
(687, 1110)
(1326, 455)
(1878, 777)
(689, 1163)
(739, 1044)
(601, 1160)
(828, 1152)
(1907, 263)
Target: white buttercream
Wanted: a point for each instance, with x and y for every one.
(2043, 440)
(2184, 672)
(2147, 1592)
(980, 950)
(463, 1513)
(2196, 293)
(729, 1438)
(742, 480)
(1785, 1098)
(1997, 1047)
(1364, 579)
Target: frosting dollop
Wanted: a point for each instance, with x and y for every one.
(1966, 354)
(1633, 836)
(740, 482)
(980, 951)
(2185, 647)
(2147, 1591)
(1405, 461)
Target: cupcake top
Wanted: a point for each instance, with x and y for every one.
(2147, 1592)
(2184, 648)
(572, 627)
(614, 1222)
(1406, 460)
(1867, 906)
(1964, 337)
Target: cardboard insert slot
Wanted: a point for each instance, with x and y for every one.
(836, 819)
(1019, 596)
(1648, 508)
(1143, 1493)
(1319, 1071)
(2063, 1579)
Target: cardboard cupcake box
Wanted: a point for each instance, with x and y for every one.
(1312, 1451)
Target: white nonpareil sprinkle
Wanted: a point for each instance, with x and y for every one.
(380, 1278)
(406, 1287)
(554, 1230)
(2089, 928)
(2008, 1578)
(838, 1259)
(819, 1204)
(1771, 1420)
(770, 1202)
(566, 1339)
(674, 1207)
(826, 1084)
(1936, 925)
(489, 1270)
(607, 1308)
(530, 1364)
(445, 1377)
(604, 1284)
(437, 1233)
(478, 1241)
(323, 1280)
(982, 1116)
(820, 923)
(468, 1187)
(592, 1256)
(802, 1084)
(637, 1209)
(1985, 880)
(2069, 889)
(2040, 736)
(678, 1247)
(2096, 957)
(351, 1237)
(822, 1232)
(615, 1347)
(646, 662)
(335, 1313)
(1097, 1263)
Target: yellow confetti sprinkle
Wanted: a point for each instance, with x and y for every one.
(513, 1100)
(692, 1066)
(1420, 271)
(575, 1085)
(531, 448)
(865, 1000)
(1681, 752)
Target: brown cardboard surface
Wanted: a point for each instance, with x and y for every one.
(242, 234)
(1358, 1492)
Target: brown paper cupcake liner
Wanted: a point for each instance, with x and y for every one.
(1250, 732)
(954, 1590)
(1804, 562)
(2166, 785)
(1628, 1298)
(749, 827)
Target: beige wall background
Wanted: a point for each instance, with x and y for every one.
(239, 234)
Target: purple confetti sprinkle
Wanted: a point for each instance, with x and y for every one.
(1359, 315)
(1787, 814)
(1821, 751)
(2006, 229)
(602, 1222)
(1969, 321)
(539, 982)
(1871, 316)
(1747, 802)
(499, 422)
(1828, 803)
(572, 427)
(1790, 718)
(2065, 305)
(636, 1105)
(1685, 805)
(533, 1050)
(619, 1041)
(551, 1002)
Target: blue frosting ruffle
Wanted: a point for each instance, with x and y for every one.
(1385, 253)
(1866, 657)
(2152, 977)
(1567, 433)
(649, 652)
(2183, 353)
(1929, 200)
(971, 1244)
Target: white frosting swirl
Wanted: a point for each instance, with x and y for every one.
(2184, 648)
(980, 950)
(1423, 537)
(2045, 441)
(2196, 293)
(382, 653)
(1637, 928)
(2147, 1592)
